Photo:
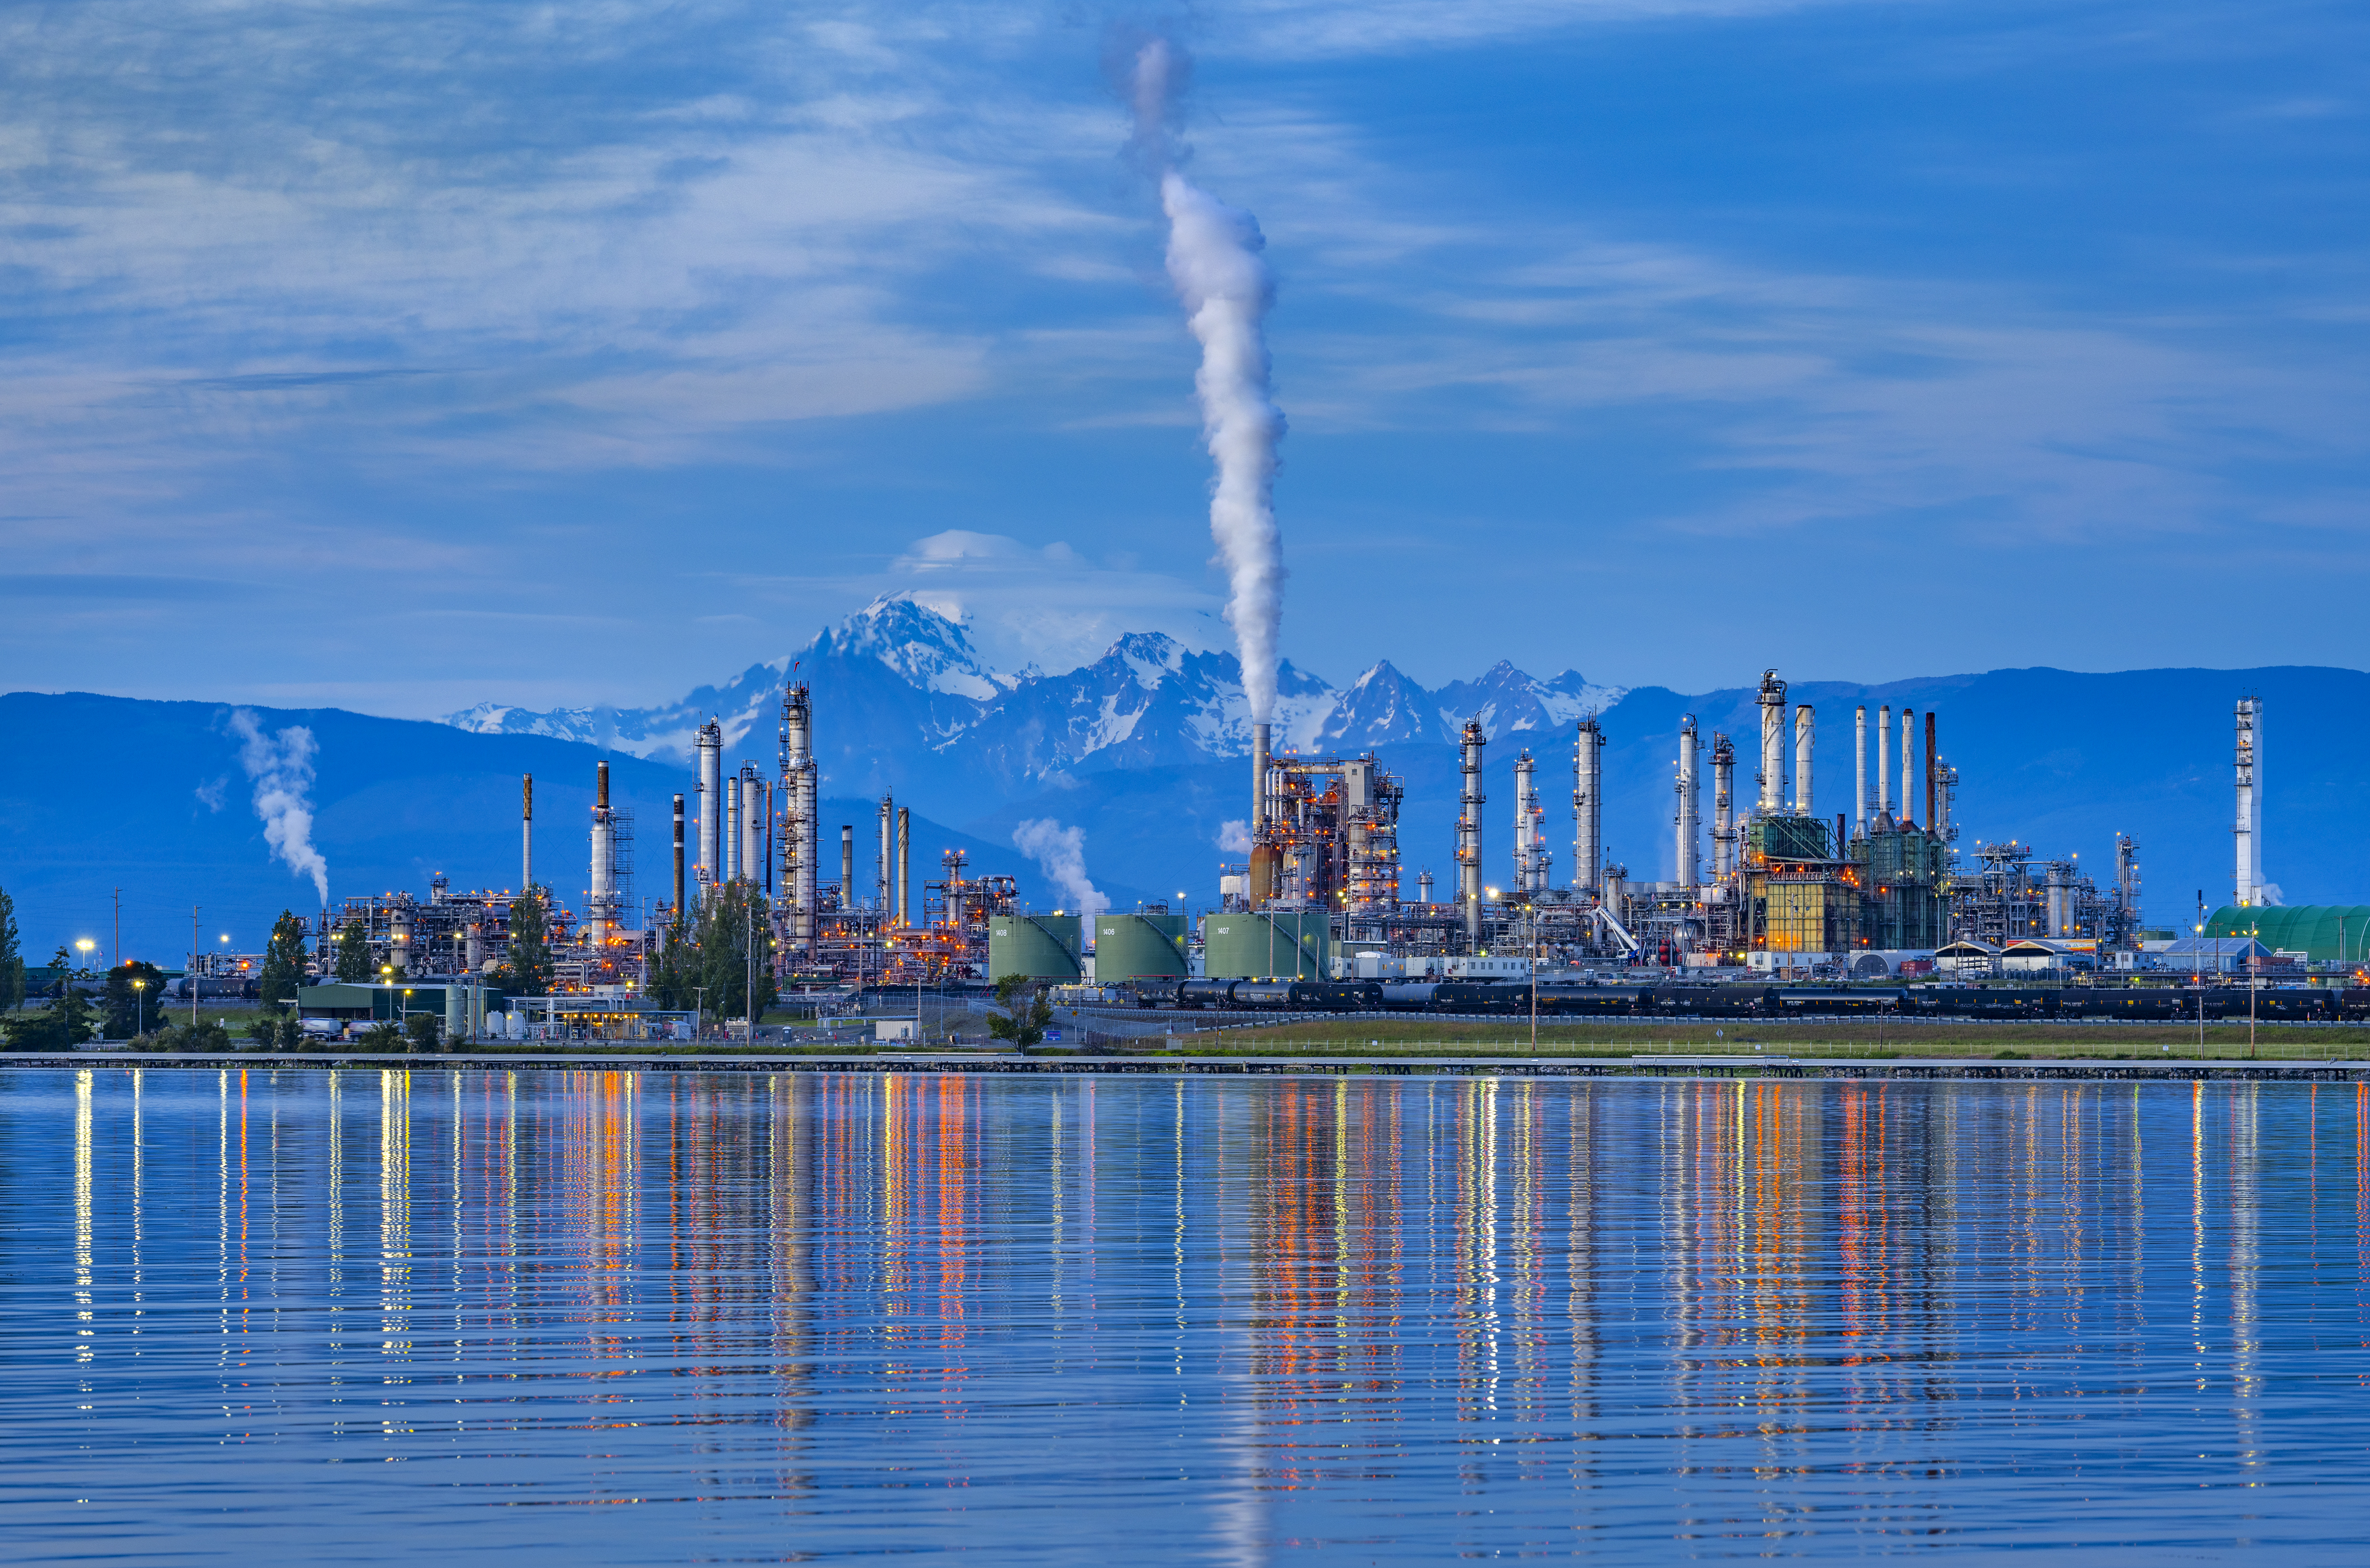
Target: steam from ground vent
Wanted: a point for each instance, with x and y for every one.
(1214, 261)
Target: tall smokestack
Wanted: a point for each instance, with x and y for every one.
(1587, 808)
(2248, 884)
(679, 914)
(1859, 769)
(1805, 733)
(1468, 835)
(1772, 779)
(1884, 762)
(905, 866)
(1933, 819)
(1723, 808)
(1263, 866)
(884, 881)
(846, 867)
(527, 833)
(1688, 853)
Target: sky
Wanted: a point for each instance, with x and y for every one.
(405, 355)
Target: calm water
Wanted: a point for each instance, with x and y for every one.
(625, 1318)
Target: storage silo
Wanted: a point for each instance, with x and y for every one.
(1290, 944)
(1139, 948)
(1044, 947)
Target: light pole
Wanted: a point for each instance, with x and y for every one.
(138, 988)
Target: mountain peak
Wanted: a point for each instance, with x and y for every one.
(927, 648)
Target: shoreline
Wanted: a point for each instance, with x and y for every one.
(1972, 1069)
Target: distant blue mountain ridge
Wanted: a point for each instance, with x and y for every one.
(1144, 750)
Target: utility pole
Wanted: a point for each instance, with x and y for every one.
(191, 974)
(118, 928)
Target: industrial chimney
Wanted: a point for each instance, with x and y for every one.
(1468, 835)
(603, 908)
(527, 833)
(1805, 734)
(1688, 821)
(709, 745)
(1885, 802)
(800, 827)
(2250, 829)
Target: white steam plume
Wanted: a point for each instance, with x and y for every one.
(282, 767)
(1062, 853)
(1214, 261)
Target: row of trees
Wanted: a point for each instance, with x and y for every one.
(706, 964)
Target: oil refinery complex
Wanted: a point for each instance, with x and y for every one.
(1767, 888)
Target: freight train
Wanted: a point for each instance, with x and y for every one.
(2161, 1004)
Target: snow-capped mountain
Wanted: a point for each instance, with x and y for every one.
(902, 701)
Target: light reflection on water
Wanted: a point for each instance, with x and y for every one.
(664, 1317)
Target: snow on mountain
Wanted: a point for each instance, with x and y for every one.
(904, 702)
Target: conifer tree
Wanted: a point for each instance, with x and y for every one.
(283, 961)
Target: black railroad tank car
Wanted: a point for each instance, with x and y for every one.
(1824, 1003)
(1985, 1002)
(1205, 993)
(1338, 996)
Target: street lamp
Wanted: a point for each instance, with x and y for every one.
(138, 985)
(86, 944)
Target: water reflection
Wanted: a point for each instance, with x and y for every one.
(646, 1317)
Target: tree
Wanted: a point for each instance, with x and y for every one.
(382, 1036)
(731, 919)
(43, 1030)
(125, 1007)
(283, 961)
(353, 966)
(528, 969)
(12, 961)
(62, 967)
(278, 1032)
(74, 1011)
(423, 1032)
(1022, 1023)
(208, 1037)
(675, 971)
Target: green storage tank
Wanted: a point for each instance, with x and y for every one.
(1044, 947)
(1263, 945)
(1139, 948)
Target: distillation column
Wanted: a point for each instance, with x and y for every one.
(1689, 857)
(603, 902)
(1723, 810)
(709, 744)
(1468, 835)
(799, 828)
(847, 867)
(886, 889)
(678, 860)
(1805, 733)
(905, 865)
(1884, 763)
(2249, 879)
(731, 829)
(1587, 809)
(1859, 773)
(1526, 831)
(1772, 778)
(1908, 759)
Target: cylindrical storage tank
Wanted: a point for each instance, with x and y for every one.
(1277, 943)
(1139, 948)
(457, 1013)
(1044, 947)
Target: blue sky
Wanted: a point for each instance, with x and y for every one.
(403, 355)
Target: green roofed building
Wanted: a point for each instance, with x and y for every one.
(2333, 933)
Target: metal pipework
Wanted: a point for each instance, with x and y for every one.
(678, 860)
(1805, 733)
(1723, 808)
(1468, 834)
(1885, 810)
(526, 833)
(709, 746)
(1772, 777)
(1908, 743)
(2249, 880)
(1688, 858)
(1859, 770)
(905, 865)
(1587, 808)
